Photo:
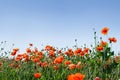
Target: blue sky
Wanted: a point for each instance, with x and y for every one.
(57, 22)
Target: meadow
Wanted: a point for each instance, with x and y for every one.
(99, 62)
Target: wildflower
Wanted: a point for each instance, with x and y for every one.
(77, 51)
(59, 51)
(56, 67)
(79, 65)
(67, 62)
(37, 75)
(15, 50)
(36, 60)
(97, 78)
(51, 53)
(99, 48)
(71, 77)
(44, 64)
(13, 53)
(28, 50)
(25, 55)
(72, 66)
(86, 50)
(113, 39)
(77, 76)
(66, 52)
(70, 52)
(11, 64)
(18, 58)
(59, 59)
(103, 43)
(20, 55)
(105, 30)
(80, 76)
(39, 63)
(17, 66)
(82, 53)
(48, 47)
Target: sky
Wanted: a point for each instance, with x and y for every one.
(57, 22)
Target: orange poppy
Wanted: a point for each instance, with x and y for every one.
(66, 52)
(11, 64)
(71, 77)
(69, 52)
(77, 76)
(105, 30)
(59, 51)
(15, 50)
(79, 65)
(36, 60)
(18, 58)
(25, 55)
(51, 53)
(58, 60)
(48, 47)
(37, 75)
(103, 43)
(99, 48)
(72, 66)
(28, 50)
(80, 76)
(82, 53)
(77, 51)
(44, 64)
(67, 62)
(113, 39)
(39, 63)
(13, 53)
(86, 50)
(56, 67)
(20, 55)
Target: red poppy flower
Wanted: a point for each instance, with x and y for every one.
(105, 30)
